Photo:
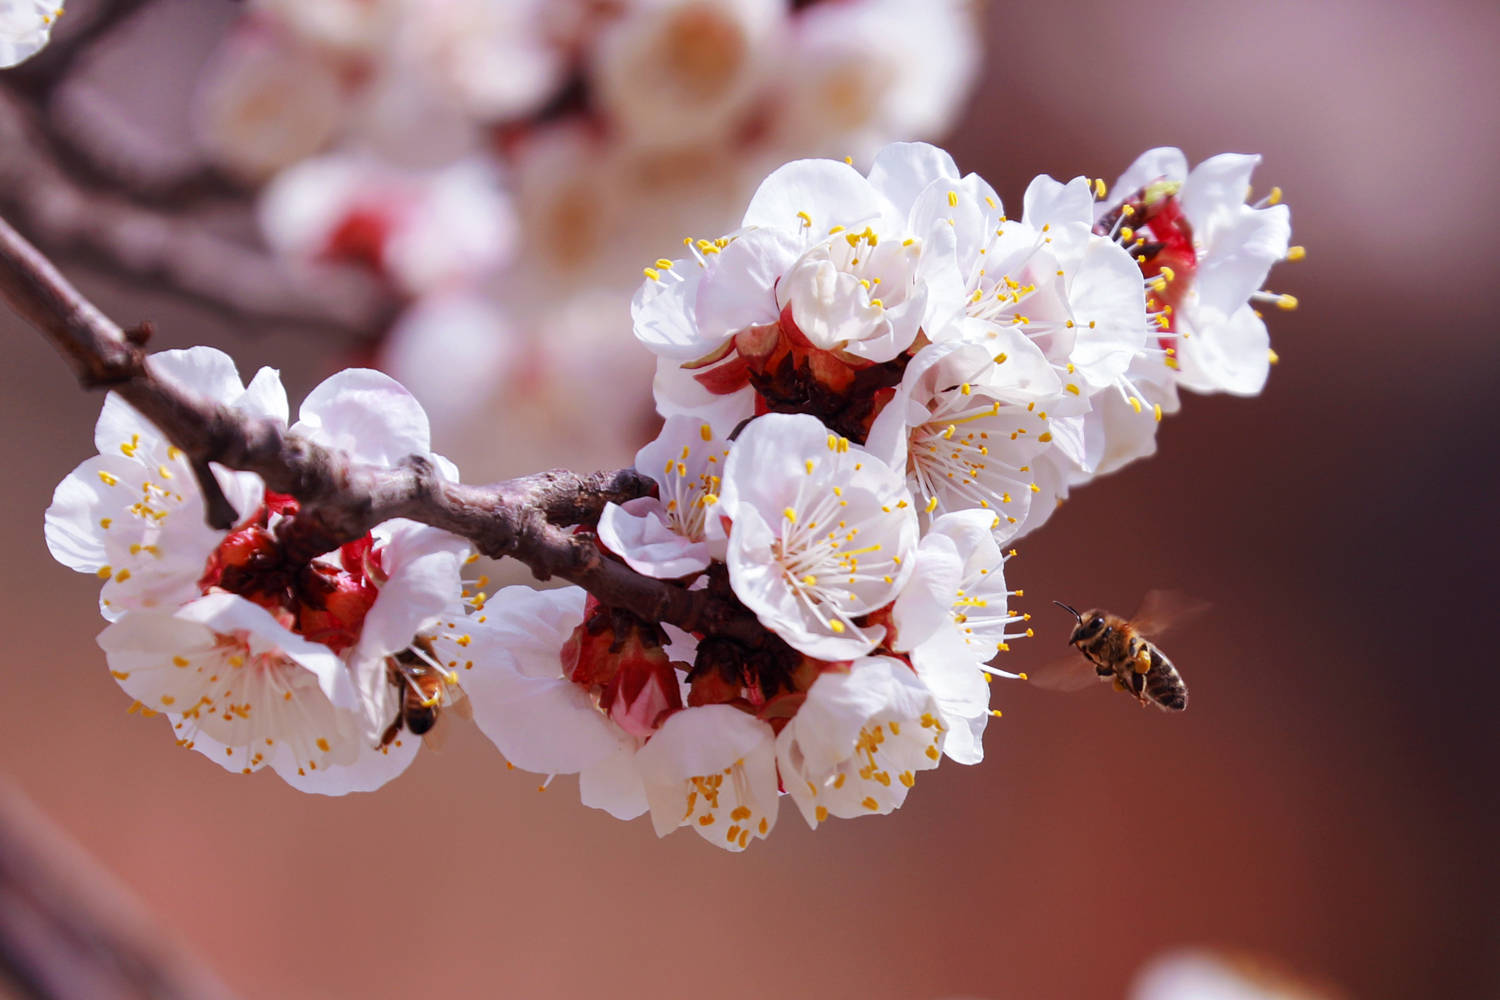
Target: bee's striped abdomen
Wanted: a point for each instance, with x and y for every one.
(1164, 684)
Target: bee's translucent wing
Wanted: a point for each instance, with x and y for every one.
(1164, 609)
(1065, 674)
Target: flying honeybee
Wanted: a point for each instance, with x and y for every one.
(423, 690)
(1119, 650)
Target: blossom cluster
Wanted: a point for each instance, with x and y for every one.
(503, 168)
(869, 390)
(256, 656)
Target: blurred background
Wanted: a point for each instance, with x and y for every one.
(1328, 804)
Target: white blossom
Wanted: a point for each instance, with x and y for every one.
(540, 719)
(1212, 255)
(428, 230)
(133, 515)
(678, 72)
(184, 593)
(668, 536)
(264, 105)
(822, 533)
(495, 61)
(1193, 974)
(240, 688)
(857, 73)
(952, 618)
(857, 742)
(968, 425)
(712, 769)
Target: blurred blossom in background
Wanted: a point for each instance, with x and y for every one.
(465, 192)
(509, 169)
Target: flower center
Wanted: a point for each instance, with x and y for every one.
(323, 600)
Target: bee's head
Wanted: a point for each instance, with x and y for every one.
(1090, 623)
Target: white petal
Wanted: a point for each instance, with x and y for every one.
(369, 771)
(739, 288)
(1239, 254)
(923, 605)
(265, 397)
(638, 534)
(1162, 163)
(530, 626)
(662, 313)
(74, 536)
(423, 566)
(614, 784)
(545, 725)
(830, 193)
(231, 614)
(1227, 354)
(903, 169)
(1051, 202)
(367, 414)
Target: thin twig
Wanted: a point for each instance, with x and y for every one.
(69, 929)
(177, 253)
(526, 519)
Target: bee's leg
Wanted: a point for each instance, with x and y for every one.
(1140, 655)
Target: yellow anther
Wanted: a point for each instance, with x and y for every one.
(1157, 408)
(1286, 302)
(1274, 198)
(952, 199)
(1073, 389)
(1135, 404)
(1296, 253)
(651, 273)
(1127, 234)
(837, 626)
(1273, 357)
(790, 515)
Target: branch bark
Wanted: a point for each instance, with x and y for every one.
(525, 519)
(178, 253)
(69, 929)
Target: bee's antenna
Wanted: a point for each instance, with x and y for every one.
(1069, 610)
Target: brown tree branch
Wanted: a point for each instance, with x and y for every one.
(69, 929)
(526, 519)
(178, 253)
